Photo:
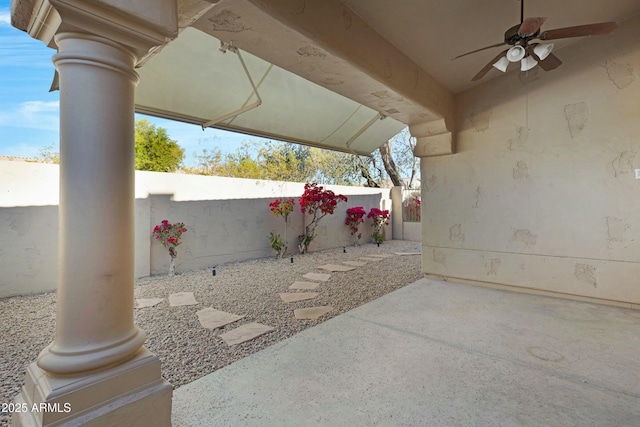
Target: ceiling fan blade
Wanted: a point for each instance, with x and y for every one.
(478, 50)
(530, 26)
(598, 29)
(488, 67)
(551, 62)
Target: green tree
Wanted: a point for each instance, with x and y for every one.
(209, 163)
(335, 168)
(155, 151)
(284, 162)
(47, 155)
(241, 164)
(394, 160)
(398, 159)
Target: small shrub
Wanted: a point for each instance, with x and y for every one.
(355, 217)
(380, 218)
(281, 208)
(170, 236)
(317, 202)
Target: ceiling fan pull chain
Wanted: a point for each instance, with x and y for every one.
(526, 99)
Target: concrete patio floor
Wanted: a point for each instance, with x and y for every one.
(436, 354)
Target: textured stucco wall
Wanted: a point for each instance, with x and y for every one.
(221, 231)
(412, 231)
(228, 220)
(541, 193)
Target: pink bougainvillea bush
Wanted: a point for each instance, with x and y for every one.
(380, 218)
(281, 208)
(170, 236)
(318, 203)
(355, 217)
(413, 209)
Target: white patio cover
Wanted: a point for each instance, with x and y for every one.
(192, 81)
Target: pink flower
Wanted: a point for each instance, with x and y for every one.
(169, 234)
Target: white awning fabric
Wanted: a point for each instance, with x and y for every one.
(192, 80)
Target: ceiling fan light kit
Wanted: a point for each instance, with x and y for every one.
(527, 63)
(515, 54)
(502, 64)
(543, 50)
(530, 55)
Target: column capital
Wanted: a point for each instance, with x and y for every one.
(434, 138)
(140, 25)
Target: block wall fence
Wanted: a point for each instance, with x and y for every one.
(228, 219)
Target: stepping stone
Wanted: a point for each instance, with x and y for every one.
(148, 302)
(297, 296)
(364, 258)
(304, 285)
(336, 267)
(321, 277)
(182, 298)
(381, 255)
(245, 333)
(355, 263)
(210, 318)
(407, 253)
(311, 313)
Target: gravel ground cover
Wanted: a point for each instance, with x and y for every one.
(251, 288)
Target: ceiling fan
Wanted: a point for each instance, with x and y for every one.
(531, 54)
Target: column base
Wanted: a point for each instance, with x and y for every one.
(132, 393)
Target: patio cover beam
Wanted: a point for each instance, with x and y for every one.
(337, 29)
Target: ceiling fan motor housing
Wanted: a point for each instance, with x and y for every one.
(512, 37)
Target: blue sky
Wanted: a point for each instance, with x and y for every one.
(29, 112)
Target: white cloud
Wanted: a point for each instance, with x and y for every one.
(33, 115)
(35, 107)
(19, 49)
(5, 17)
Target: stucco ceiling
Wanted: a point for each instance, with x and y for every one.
(392, 57)
(339, 65)
(433, 32)
(308, 38)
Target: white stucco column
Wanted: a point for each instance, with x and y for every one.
(396, 208)
(96, 366)
(433, 138)
(94, 324)
(96, 371)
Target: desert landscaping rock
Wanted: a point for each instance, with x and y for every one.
(370, 258)
(321, 277)
(211, 318)
(311, 313)
(304, 285)
(245, 333)
(336, 267)
(355, 263)
(148, 302)
(187, 351)
(381, 255)
(297, 296)
(182, 298)
(407, 253)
